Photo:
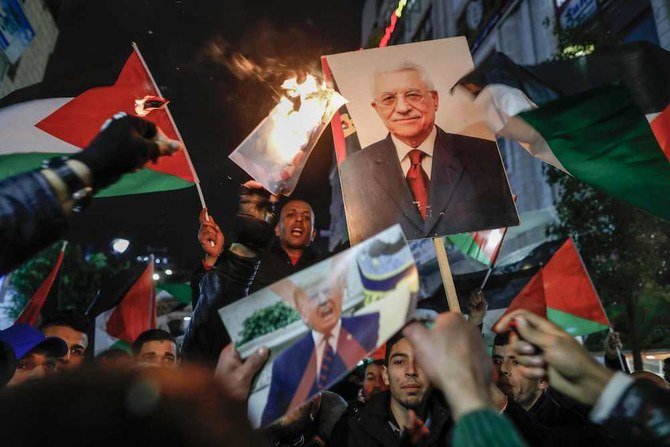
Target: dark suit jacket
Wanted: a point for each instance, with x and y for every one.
(468, 190)
(294, 370)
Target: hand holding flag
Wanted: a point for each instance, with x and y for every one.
(125, 144)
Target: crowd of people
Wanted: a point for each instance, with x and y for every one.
(435, 386)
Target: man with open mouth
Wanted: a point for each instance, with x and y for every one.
(328, 351)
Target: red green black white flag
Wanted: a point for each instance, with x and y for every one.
(37, 125)
(602, 118)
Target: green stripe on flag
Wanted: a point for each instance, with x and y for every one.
(181, 291)
(17, 163)
(142, 181)
(467, 245)
(573, 324)
(122, 346)
(603, 139)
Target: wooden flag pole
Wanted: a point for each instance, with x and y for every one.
(445, 272)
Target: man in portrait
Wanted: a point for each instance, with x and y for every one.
(429, 181)
(333, 346)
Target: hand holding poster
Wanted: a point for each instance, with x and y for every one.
(275, 153)
(426, 163)
(320, 322)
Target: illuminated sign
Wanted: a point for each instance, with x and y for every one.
(394, 20)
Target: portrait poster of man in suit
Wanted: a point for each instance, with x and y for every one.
(338, 322)
(426, 162)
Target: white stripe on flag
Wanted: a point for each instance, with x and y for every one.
(498, 106)
(19, 134)
(102, 339)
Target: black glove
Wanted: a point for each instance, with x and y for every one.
(124, 144)
(255, 220)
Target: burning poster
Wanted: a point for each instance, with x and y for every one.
(275, 153)
(427, 163)
(320, 322)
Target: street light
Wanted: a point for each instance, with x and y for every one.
(168, 272)
(120, 245)
(156, 276)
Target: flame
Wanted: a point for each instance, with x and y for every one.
(149, 103)
(301, 112)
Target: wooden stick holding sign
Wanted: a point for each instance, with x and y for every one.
(445, 272)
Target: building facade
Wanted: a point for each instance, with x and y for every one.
(29, 35)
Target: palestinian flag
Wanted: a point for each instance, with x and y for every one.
(31, 313)
(37, 124)
(602, 118)
(345, 137)
(345, 140)
(482, 246)
(124, 308)
(562, 292)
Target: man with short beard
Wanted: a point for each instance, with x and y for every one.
(288, 253)
(408, 413)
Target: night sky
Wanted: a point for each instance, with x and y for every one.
(213, 109)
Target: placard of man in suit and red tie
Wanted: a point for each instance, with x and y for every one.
(426, 161)
(332, 347)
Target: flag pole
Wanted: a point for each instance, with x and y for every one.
(188, 157)
(493, 261)
(445, 273)
(619, 355)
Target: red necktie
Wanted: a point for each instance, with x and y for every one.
(326, 364)
(418, 181)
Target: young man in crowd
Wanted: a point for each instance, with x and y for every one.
(73, 329)
(156, 348)
(400, 414)
(287, 253)
(36, 354)
(544, 416)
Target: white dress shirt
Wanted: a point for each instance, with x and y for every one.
(320, 344)
(426, 147)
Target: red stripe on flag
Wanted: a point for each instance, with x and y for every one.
(660, 126)
(568, 287)
(136, 311)
(79, 121)
(32, 311)
(336, 121)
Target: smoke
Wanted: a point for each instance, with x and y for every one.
(267, 54)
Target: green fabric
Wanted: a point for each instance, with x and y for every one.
(485, 428)
(142, 181)
(181, 291)
(573, 324)
(121, 346)
(467, 245)
(603, 139)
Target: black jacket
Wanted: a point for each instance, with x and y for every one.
(554, 422)
(371, 425)
(641, 416)
(31, 218)
(275, 265)
(224, 284)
